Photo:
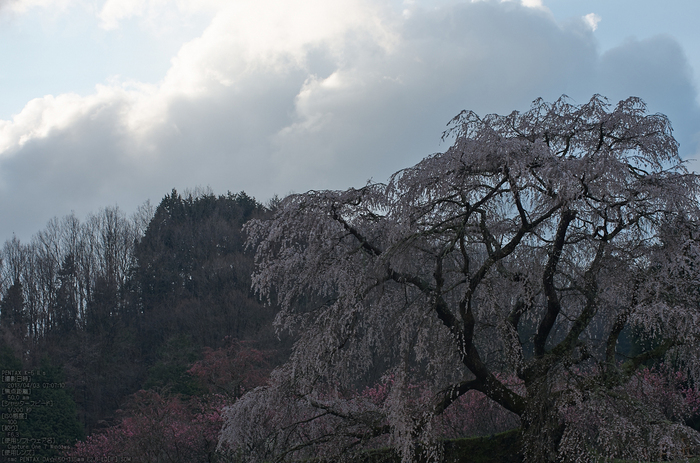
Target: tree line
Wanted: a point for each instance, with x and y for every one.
(118, 303)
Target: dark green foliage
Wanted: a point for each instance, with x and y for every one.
(66, 305)
(498, 448)
(119, 311)
(12, 314)
(50, 421)
(8, 360)
(694, 422)
(103, 370)
(9, 363)
(54, 414)
(169, 374)
(192, 272)
(102, 308)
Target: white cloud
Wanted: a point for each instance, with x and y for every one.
(592, 20)
(22, 6)
(532, 3)
(114, 11)
(537, 4)
(280, 95)
(157, 15)
(47, 116)
(243, 38)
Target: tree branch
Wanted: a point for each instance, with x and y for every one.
(553, 305)
(450, 394)
(369, 248)
(619, 325)
(611, 342)
(511, 338)
(590, 292)
(506, 250)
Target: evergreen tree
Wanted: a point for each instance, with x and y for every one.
(66, 305)
(192, 272)
(102, 307)
(37, 410)
(12, 314)
(53, 415)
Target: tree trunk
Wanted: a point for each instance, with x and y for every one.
(542, 424)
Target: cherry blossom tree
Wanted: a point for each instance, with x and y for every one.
(527, 250)
(233, 369)
(158, 429)
(176, 428)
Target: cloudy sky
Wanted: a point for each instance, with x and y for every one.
(114, 102)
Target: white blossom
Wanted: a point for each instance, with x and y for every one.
(523, 251)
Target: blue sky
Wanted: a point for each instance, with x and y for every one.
(108, 102)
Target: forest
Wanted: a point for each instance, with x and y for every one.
(133, 317)
(531, 294)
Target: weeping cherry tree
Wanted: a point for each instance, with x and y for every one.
(514, 264)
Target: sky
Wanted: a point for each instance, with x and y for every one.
(115, 102)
